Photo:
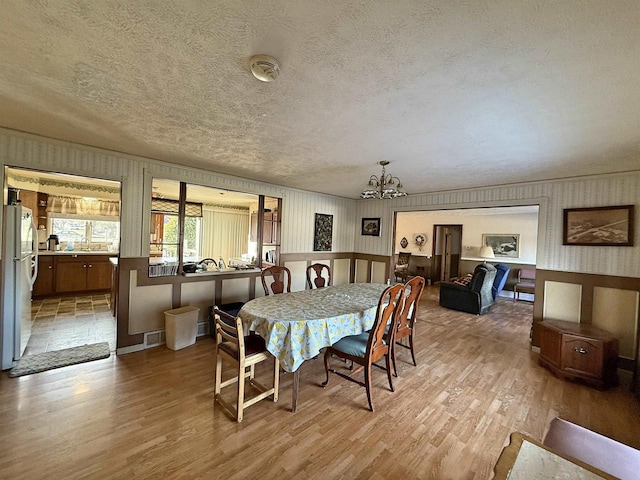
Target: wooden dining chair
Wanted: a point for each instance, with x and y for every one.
(280, 275)
(526, 282)
(407, 318)
(319, 280)
(243, 351)
(367, 348)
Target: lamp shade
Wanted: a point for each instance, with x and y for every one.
(486, 252)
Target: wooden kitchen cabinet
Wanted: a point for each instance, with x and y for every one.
(44, 280)
(82, 273)
(270, 228)
(99, 275)
(579, 351)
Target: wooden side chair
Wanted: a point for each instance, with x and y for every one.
(367, 348)
(319, 280)
(280, 275)
(243, 351)
(407, 320)
(526, 282)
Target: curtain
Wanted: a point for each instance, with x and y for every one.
(82, 206)
(224, 234)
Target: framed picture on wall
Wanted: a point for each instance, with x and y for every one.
(502, 244)
(371, 226)
(598, 226)
(323, 234)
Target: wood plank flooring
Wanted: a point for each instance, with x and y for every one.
(151, 414)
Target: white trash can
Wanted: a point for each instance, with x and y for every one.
(181, 327)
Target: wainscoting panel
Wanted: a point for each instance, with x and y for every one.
(259, 288)
(298, 271)
(379, 272)
(341, 271)
(147, 305)
(198, 294)
(362, 271)
(562, 301)
(616, 311)
(237, 289)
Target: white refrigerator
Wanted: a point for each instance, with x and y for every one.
(19, 272)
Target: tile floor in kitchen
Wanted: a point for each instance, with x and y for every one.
(65, 322)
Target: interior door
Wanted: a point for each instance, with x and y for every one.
(447, 250)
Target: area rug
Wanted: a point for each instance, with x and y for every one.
(60, 358)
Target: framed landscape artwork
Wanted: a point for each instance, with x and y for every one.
(598, 226)
(323, 234)
(371, 226)
(502, 244)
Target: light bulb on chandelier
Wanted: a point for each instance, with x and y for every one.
(384, 187)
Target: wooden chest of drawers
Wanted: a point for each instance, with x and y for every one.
(579, 351)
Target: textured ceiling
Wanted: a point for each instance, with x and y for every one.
(454, 94)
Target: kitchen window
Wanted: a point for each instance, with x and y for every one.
(84, 223)
(87, 232)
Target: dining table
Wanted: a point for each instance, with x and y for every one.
(297, 325)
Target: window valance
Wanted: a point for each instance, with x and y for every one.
(172, 207)
(82, 206)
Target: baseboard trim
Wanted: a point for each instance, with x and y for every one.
(130, 349)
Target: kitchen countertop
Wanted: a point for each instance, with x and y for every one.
(76, 252)
(225, 272)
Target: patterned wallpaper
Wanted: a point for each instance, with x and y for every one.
(23, 150)
(553, 197)
(135, 173)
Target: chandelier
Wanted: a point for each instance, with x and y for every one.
(384, 187)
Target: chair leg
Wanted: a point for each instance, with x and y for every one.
(218, 380)
(413, 353)
(367, 385)
(240, 401)
(327, 356)
(387, 359)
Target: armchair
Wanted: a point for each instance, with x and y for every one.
(475, 297)
(502, 273)
(402, 267)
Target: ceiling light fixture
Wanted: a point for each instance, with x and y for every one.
(264, 68)
(385, 187)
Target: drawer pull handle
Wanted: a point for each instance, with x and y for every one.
(580, 350)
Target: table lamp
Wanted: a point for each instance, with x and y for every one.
(486, 252)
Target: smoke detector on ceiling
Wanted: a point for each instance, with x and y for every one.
(264, 68)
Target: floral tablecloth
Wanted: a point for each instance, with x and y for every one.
(297, 325)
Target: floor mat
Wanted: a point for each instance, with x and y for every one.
(60, 358)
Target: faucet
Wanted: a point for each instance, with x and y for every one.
(85, 243)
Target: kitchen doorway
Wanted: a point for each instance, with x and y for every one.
(77, 224)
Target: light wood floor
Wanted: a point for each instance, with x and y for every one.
(151, 414)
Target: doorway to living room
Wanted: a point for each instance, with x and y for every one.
(477, 227)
